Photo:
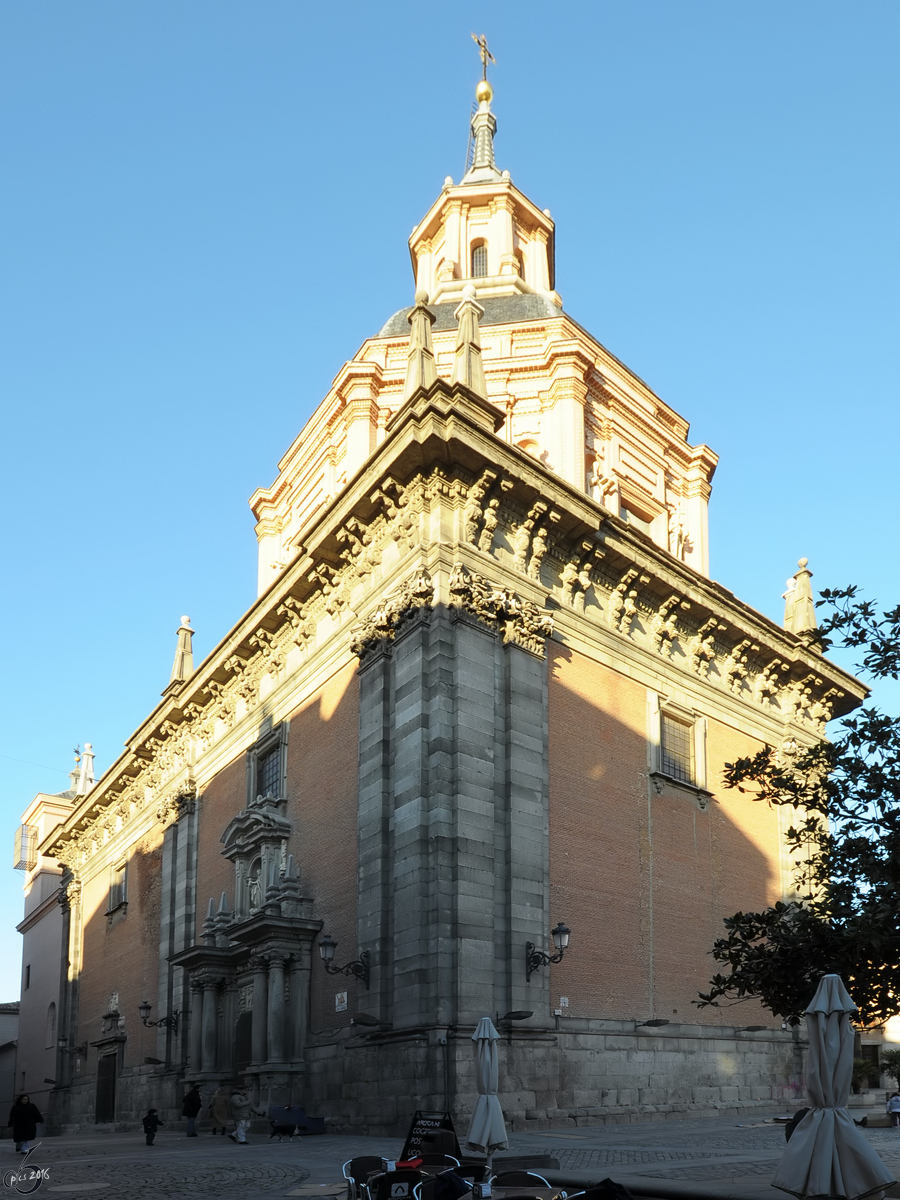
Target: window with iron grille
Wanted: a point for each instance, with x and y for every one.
(676, 749)
(479, 260)
(268, 773)
(25, 852)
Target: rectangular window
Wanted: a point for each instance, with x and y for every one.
(676, 748)
(676, 741)
(266, 765)
(28, 975)
(118, 887)
(268, 773)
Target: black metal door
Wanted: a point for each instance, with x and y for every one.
(106, 1088)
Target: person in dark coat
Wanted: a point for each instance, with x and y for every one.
(193, 1102)
(151, 1123)
(24, 1118)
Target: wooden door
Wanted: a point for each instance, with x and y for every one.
(106, 1088)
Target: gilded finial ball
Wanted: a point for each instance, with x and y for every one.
(484, 93)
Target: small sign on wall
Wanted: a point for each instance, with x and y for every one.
(564, 1002)
(340, 1001)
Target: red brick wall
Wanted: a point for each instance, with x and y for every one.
(122, 956)
(223, 798)
(322, 803)
(614, 845)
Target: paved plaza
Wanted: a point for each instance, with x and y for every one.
(721, 1158)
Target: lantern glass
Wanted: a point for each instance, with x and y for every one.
(327, 947)
(144, 1010)
(561, 936)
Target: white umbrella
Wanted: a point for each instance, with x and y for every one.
(828, 1156)
(487, 1129)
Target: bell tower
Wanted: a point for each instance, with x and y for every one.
(483, 230)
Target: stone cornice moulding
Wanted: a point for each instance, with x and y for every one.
(441, 429)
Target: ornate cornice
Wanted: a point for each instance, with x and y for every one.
(443, 488)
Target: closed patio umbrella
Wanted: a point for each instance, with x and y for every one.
(487, 1129)
(828, 1156)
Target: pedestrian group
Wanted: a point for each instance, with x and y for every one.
(223, 1108)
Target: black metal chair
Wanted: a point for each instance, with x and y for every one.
(522, 1179)
(395, 1185)
(357, 1171)
(438, 1161)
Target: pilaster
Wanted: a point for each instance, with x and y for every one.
(453, 812)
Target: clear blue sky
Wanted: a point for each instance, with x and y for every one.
(205, 211)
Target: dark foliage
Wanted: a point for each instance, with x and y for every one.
(846, 792)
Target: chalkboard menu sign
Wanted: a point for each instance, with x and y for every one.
(430, 1133)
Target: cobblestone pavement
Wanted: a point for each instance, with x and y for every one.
(676, 1158)
(722, 1156)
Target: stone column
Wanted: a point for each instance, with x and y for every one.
(276, 1010)
(196, 1057)
(260, 1004)
(208, 1041)
(299, 1018)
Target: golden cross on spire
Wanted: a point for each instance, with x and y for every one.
(486, 56)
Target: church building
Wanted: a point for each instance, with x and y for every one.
(461, 758)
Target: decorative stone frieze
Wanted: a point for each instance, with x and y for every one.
(664, 626)
(701, 648)
(520, 621)
(734, 669)
(172, 808)
(476, 509)
(414, 596)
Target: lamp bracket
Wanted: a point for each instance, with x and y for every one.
(535, 959)
(360, 968)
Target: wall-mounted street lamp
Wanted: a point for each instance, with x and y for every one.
(534, 958)
(359, 968)
(167, 1022)
(62, 1044)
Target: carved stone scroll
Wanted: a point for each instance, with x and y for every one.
(734, 668)
(520, 621)
(701, 649)
(664, 625)
(475, 509)
(416, 594)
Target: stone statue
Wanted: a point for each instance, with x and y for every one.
(538, 551)
(491, 518)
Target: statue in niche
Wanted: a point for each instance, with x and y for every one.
(254, 887)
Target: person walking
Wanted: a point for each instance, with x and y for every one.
(151, 1123)
(219, 1110)
(24, 1118)
(893, 1109)
(241, 1110)
(193, 1102)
